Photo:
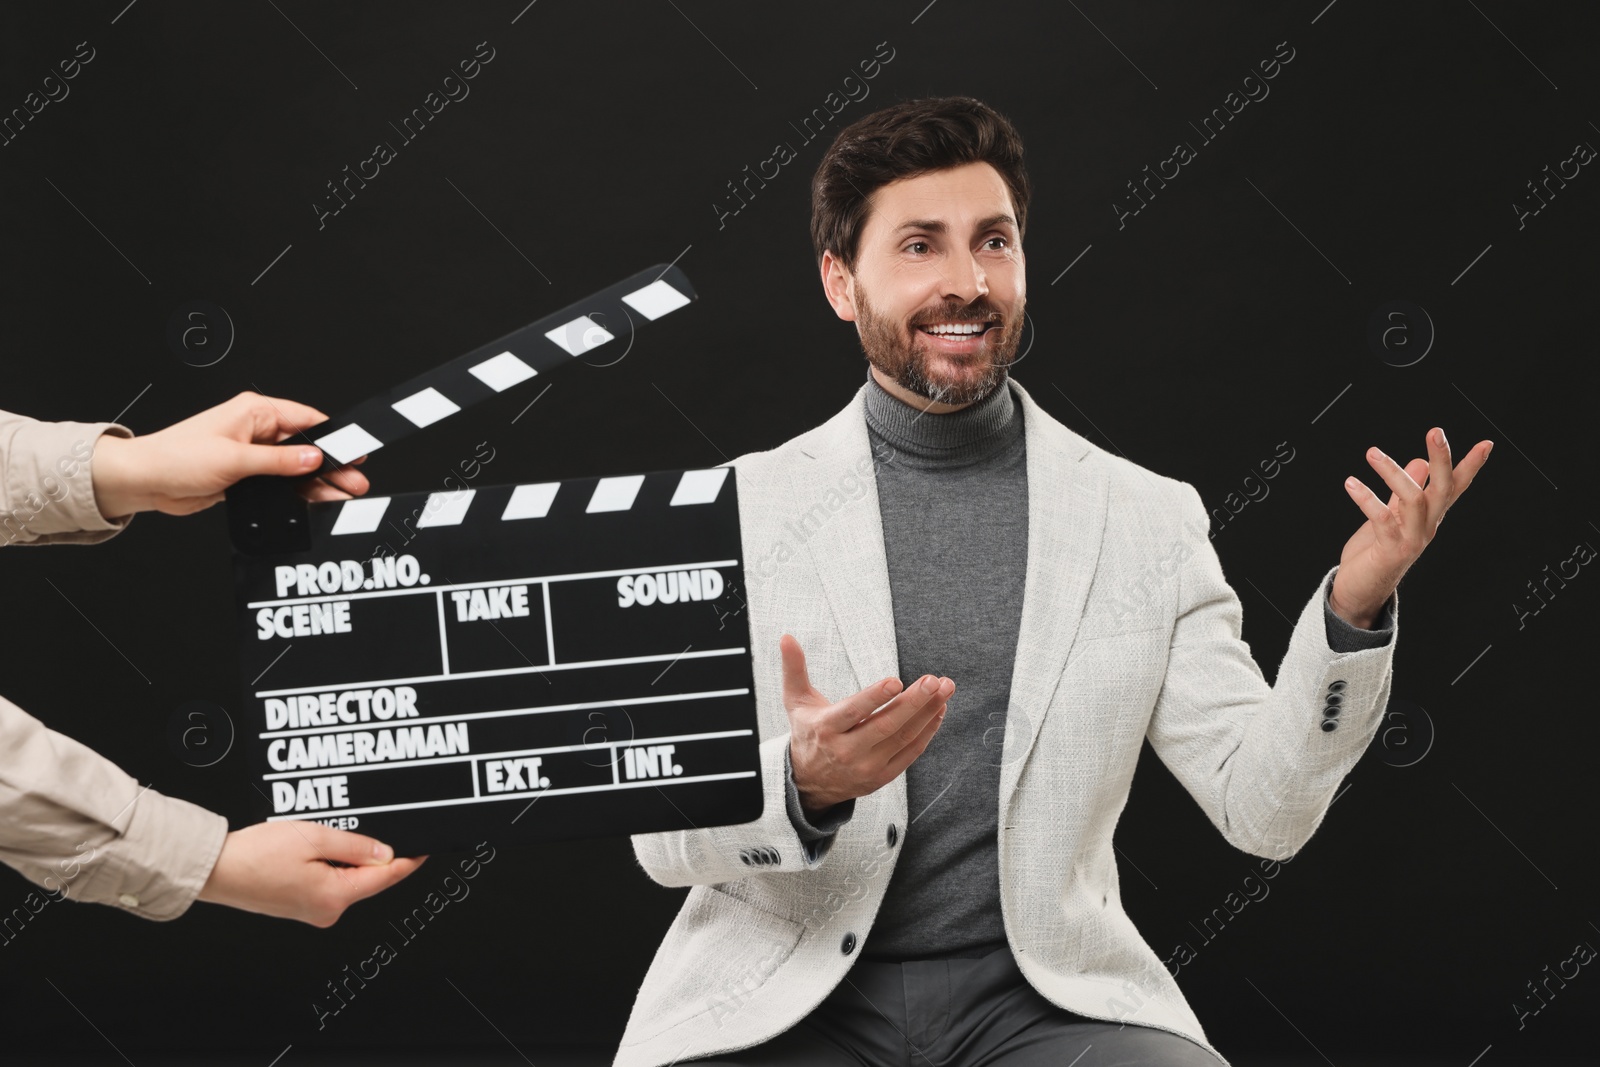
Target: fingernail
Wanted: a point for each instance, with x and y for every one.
(381, 853)
(1442, 440)
(891, 686)
(930, 684)
(310, 457)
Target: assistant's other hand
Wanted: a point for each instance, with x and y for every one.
(280, 869)
(186, 467)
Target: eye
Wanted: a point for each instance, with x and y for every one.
(914, 244)
(998, 237)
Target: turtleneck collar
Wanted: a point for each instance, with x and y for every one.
(955, 438)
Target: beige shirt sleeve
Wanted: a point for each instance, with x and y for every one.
(76, 824)
(46, 487)
(71, 821)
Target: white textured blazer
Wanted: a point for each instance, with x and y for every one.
(1129, 630)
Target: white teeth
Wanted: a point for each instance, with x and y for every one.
(962, 329)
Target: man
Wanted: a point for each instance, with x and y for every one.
(932, 880)
(71, 821)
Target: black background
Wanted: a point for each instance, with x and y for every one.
(1222, 320)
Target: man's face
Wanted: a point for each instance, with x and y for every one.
(938, 250)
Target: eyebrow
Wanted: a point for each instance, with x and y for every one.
(938, 226)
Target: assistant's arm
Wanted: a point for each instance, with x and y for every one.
(46, 482)
(74, 823)
(71, 821)
(1261, 760)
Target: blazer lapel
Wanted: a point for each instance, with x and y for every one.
(847, 545)
(1066, 522)
(1067, 495)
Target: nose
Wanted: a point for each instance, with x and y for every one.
(965, 279)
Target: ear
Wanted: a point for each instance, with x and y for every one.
(838, 284)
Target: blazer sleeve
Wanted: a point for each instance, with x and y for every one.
(1263, 761)
(46, 484)
(74, 823)
(769, 845)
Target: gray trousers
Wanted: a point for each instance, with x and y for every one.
(957, 1013)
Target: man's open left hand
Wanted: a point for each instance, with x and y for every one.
(1395, 533)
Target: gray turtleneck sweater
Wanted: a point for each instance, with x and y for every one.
(953, 496)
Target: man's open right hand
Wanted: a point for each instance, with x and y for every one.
(843, 750)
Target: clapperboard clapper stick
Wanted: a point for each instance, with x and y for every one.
(516, 663)
(267, 514)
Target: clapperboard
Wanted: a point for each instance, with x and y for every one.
(524, 662)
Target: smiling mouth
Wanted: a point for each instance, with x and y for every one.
(964, 343)
(962, 330)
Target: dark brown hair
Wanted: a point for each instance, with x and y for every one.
(902, 141)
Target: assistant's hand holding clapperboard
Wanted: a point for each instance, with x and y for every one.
(556, 660)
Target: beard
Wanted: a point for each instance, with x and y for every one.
(905, 354)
